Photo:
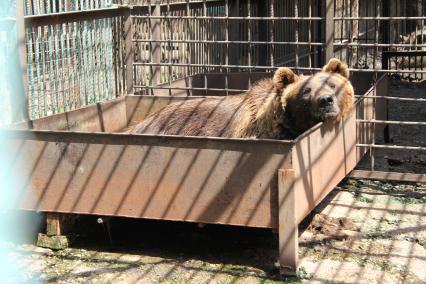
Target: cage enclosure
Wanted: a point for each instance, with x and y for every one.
(94, 71)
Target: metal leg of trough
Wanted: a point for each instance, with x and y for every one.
(287, 223)
(57, 228)
(386, 133)
(106, 224)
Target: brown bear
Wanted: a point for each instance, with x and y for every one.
(278, 108)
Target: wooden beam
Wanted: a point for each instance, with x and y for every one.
(54, 225)
(57, 229)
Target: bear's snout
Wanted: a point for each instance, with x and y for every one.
(326, 100)
(327, 108)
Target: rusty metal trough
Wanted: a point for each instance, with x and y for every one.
(78, 162)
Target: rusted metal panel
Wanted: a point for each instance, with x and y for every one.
(112, 115)
(101, 117)
(225, 181)
(322, 157)
(236, 81)
(180, 87)
(53, 122)
(212, 83)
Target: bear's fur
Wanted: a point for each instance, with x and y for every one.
(278, 108)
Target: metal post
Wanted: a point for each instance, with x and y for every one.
(329, 30)
(234, 32)
(385, 32)
(287, 223)
(262, 9)
(317, 27)
(155, 26)
(129, 56)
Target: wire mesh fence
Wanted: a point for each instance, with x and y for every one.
(70, 65)
(74, 60)
(40, 7)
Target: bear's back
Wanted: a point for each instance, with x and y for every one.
(211, 116)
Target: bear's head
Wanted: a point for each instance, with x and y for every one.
(326, 96)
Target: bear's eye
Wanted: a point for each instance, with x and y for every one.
(306, 91)
(333, 86)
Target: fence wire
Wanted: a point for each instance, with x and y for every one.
(40, 7)
(75, 62)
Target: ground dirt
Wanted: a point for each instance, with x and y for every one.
(363, 232)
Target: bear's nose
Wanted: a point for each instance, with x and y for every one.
(326, 100)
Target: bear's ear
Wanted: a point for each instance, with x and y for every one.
(283, 77)
(336, 66)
